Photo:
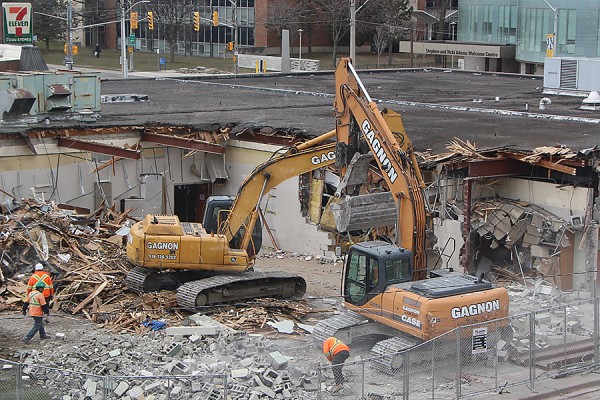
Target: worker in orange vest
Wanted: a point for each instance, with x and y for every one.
(37, 308)
(337, 353)
(41, 276)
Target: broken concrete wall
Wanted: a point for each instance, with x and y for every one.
(449, 241)
(281, 206)
(563, 201)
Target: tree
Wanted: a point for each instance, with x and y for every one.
(173, 15)
(335, 14)
(390, 19)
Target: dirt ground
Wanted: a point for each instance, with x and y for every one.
(323, 289)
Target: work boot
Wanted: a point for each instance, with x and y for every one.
(44, 337)
(337, 388)
(46, 320)
(27, 341)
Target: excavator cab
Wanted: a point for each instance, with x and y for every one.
(371, 267)
(215, 213)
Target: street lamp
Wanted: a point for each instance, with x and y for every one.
(452, 29)
(123, 40)
(555, 10)
(300, 48)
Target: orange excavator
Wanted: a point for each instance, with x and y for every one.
(213, 262)
(386, 287)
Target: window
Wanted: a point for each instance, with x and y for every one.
(598, 37)
(356, 277)
(507, 24)
(398, 270)
(567, 24)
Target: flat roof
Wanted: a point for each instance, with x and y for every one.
(436, 106)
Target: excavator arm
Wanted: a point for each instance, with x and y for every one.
(359, 121)
(305, 157)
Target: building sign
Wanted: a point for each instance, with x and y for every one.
(459, 49)
(550, 45)
(479, 340)
(17, 23)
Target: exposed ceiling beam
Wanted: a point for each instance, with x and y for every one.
(266, 139)
(182, 143)
(99, 148)
(499, 167)
(555, 166)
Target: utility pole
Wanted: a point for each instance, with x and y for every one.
(69, 58)
(353, 31)
(555, 10)
(124, 68)
(235, 36)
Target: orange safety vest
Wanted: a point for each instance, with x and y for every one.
(36, 300)
(43, 277)
(332, 346)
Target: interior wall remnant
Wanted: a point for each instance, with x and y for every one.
(448, 233)
(316, 199)
(567, 265)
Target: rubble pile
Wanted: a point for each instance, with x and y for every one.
(208, 353)
(84, 254)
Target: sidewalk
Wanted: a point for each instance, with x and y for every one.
(115, 75)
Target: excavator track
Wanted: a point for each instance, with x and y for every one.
(331, 326)
(386, 355)
(225, 288)
(138, 278)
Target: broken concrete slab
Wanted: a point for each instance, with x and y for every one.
(192, 330)
(286, 326)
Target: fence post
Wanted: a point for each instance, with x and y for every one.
(532, 350)
(596, 339)
(362, 363)
(405, 374)
(225, 383)
(19, 382)
(319, 396)
(106, 380)
(458, 360)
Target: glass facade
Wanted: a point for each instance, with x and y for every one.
(488, 21)
(526, 23)
(209, 40)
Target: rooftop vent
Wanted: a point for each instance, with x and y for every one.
(15, 104)
(592, 102)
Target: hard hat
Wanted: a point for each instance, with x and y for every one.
(39, 267)
(40, 285)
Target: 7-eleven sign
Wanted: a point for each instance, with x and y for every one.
(17, 22)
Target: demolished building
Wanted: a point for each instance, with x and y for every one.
(499, 205)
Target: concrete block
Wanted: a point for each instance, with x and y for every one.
(176, 392)
(145, 373)
(197, 386)
(277, 360)
(173, 350)
(59, 336)
(136, 392)
(573, 326)
(254, 396)
(268, 377)
(121, 388)
(192, 330)
(286, 394)
(153, 387)
(502, 354)
(241, 373)
(246, 362)
(114, 353)
(238, 391)
(309, 384)
(267, 391)
(195, 338)
(500, 345)
(90, 390)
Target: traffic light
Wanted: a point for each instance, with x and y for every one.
(74, 50)
(230, 46)
(66, 48)
(196, 21)
(150, 20)
(215, 18)
(134, 19)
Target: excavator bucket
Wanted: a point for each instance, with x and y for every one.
(364, 211)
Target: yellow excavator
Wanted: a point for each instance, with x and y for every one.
(386, 288)
(213, 262)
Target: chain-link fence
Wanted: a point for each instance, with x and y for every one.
(22, 381)
(481, 358)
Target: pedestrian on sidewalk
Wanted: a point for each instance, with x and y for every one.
(337, 353)
(97, 50)
(37, 308)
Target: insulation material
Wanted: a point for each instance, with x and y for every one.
(315, 199)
